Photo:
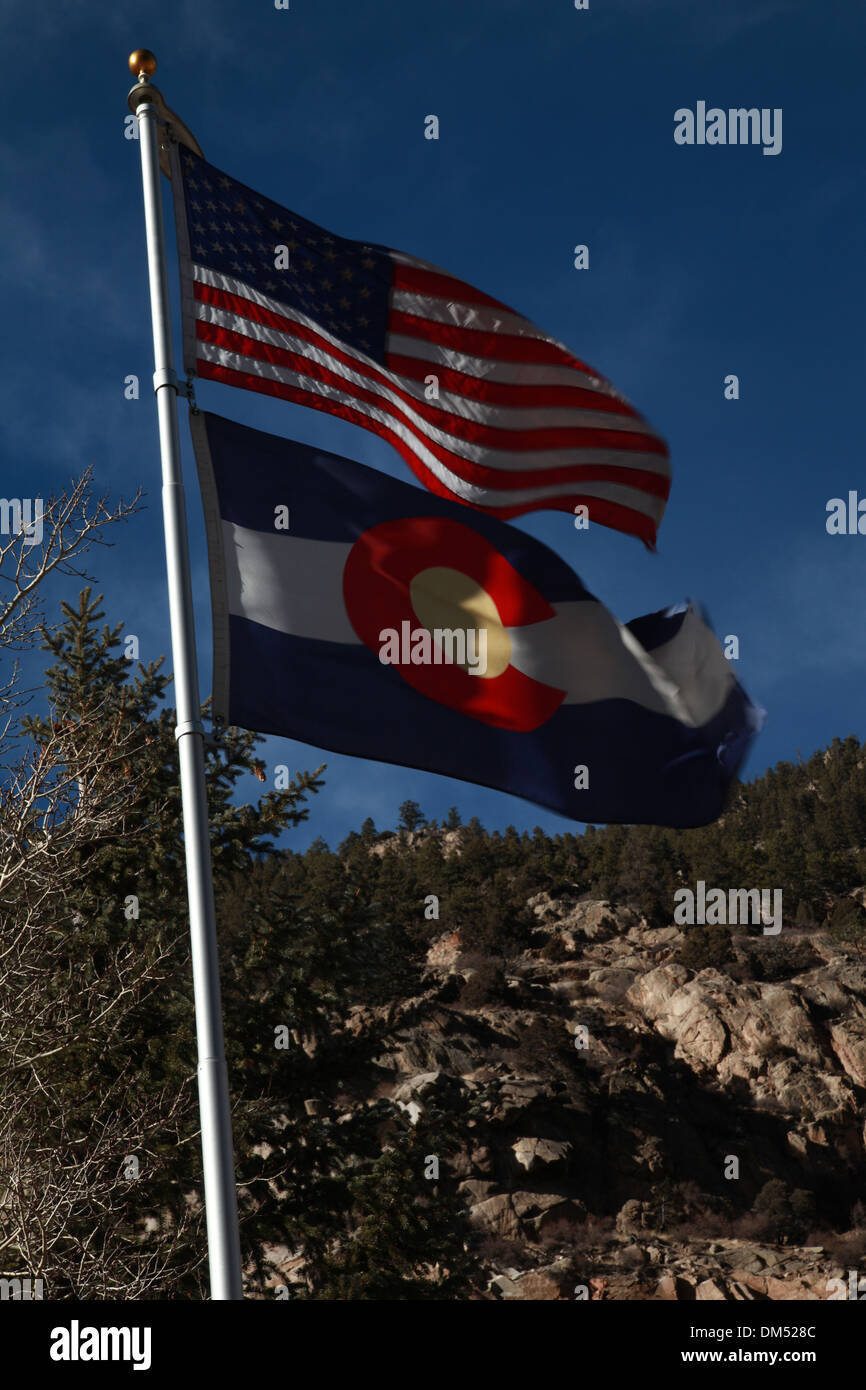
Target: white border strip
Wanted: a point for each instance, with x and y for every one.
(187, 275)
(216, 565)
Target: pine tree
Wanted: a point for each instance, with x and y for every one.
(407, 1235)
(411, 816)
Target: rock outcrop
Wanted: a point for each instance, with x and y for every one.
(630, 1110)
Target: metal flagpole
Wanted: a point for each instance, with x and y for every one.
(220, 1194)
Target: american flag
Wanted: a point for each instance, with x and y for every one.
(483, 406)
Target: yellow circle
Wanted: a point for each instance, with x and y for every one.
(446, 599)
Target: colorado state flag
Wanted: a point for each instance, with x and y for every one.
(363, 615)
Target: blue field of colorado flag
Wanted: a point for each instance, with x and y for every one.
(363, 615)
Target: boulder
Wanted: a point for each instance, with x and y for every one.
(848, 1039)
(597, 921)
(711, 1291)
(650, 993)
(673, 1287)
(789, 1290)
(631, 1216)
(775, 1020)
(476, 1189)
(504, 1287)
(811, 1095)
(496, 1215)
(445, 952)
(539, 1153)
(542, 1212)
(754, 1282)
(614, 980)
(409, 1094)
(548, 1284)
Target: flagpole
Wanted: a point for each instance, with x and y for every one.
(220, 1193)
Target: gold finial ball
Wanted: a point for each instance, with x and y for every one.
(142, 60)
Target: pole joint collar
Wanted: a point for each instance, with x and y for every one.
(189, 726)
(165, 376)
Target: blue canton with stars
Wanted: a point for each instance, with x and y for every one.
(343, 285)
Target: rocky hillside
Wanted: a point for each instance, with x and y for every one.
(641, 1126)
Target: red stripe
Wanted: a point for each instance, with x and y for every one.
(469, 472)
(418, 280)
(477, 342)
(471, 431)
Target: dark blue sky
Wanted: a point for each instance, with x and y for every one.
(556, 127)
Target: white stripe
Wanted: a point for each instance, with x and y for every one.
(479, 317)
(294, 585)
(506, 461)
(462, 407)
(287, 583)
(697, 666)
(582, 652)
(489, 369)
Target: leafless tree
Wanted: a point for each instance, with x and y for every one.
(65, 1186)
